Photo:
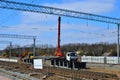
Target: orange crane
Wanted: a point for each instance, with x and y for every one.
(58, 51)
(69, 60)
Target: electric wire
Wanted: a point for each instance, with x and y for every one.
(102, 35)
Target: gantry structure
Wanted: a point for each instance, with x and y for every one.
(20, 37)
(61, 12)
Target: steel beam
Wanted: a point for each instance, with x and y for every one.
(21, 37)
(34, 47)
(56, 11)
(118, 45)
(17, 36)
(10, 51)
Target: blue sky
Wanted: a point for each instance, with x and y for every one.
(44, 26)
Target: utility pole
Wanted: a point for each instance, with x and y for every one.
(10, 50)
(118, 47)
(34, 39)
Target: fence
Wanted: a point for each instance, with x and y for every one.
(100, 59)
(8, 60)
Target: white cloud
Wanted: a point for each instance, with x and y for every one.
(28, 18)
(36, 24)
(43, 25)
(90, 34)
(25, 29)
(90, 6)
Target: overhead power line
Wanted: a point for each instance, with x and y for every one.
(17, 36)
(5, 42)
(56, 11)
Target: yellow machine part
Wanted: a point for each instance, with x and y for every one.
(24, 54)
(5, 55)
(31, 57)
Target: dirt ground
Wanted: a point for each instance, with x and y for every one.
(28, 69)
(117, 72)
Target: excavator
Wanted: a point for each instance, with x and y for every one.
(27, 57)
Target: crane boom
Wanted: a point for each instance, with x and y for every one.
(58, 52)
(56, 11)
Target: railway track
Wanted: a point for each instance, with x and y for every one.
(82, 74)
(67, 73)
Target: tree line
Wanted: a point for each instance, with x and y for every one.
(96, 49)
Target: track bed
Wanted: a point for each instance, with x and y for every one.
(56, 73)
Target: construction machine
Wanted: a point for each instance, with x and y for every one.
(58, 52)
(69, 55)
(68, 61)
(5, 55)
(27, 57)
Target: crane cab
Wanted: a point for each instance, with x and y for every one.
(71, 56)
